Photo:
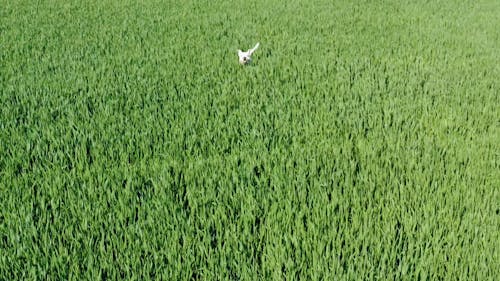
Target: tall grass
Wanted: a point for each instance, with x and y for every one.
(362, 143)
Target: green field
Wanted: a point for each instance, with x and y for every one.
(363, 143)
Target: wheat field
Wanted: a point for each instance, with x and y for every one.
(362, 143)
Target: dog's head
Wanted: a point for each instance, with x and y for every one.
(243, 57)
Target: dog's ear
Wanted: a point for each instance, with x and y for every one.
(239, 52)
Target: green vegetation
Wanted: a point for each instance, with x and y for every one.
(362, 143)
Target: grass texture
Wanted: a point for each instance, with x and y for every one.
(361, 144)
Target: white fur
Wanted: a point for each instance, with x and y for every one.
(246, 57)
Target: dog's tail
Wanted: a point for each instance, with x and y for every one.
(254, 48)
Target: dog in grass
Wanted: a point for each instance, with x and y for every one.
(246, 57)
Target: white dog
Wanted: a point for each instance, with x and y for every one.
(246, 57)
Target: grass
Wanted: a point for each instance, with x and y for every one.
(362, 143)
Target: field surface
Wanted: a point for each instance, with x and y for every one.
(363, 143)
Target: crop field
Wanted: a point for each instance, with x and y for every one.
(362, 142)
